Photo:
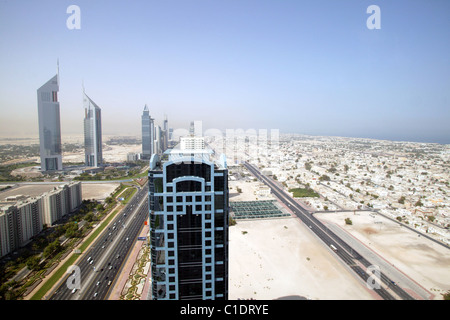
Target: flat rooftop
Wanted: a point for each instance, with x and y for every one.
(262, 209)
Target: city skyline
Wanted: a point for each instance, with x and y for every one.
(308, 68)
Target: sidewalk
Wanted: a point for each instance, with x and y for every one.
(125, 288)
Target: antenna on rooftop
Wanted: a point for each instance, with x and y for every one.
(57, 70)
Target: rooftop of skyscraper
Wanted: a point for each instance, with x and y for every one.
(190, 148)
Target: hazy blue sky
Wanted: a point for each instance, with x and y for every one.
(310, 67)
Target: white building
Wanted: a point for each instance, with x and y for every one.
(24, 219)
(19, 222)
(192, 143)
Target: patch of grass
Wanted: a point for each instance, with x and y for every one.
(304, 193)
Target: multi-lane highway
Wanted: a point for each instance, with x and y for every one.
(352, 258)
(101, 263)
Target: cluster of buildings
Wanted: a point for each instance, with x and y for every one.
(188, 200)
(23, 217)
(154, 138)
(50, 128)
(406, 181)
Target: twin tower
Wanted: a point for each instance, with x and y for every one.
(50, 128)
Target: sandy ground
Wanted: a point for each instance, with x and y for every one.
(98, 191)
(248, 191)
(421, 259)
(276, 258)
(113, 153)
(271, 259)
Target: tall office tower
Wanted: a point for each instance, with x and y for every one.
(148, 134)
(165, 136)
(188, 203)
(92, 133)
(49, 125)
(157, 142)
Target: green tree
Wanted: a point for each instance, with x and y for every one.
(308, 166)
(33, 263)
(109, 200)
(52, 249)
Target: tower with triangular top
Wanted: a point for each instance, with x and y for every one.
(92, 132)
(50, 125)
(148, 134)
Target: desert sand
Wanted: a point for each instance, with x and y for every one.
(424, 261)
(98, 191)
(276, 258)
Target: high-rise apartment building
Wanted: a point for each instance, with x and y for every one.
(188, 202)
(19, 222)
(60, 201)
(92, 133)
(49, 125)
(148, 134)
(22, 218)
(192, 143)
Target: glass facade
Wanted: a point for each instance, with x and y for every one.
(92, 133)
(148, 135)
(189, 229)
(49, 125)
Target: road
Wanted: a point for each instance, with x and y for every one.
(102, 262)
(346, 253)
